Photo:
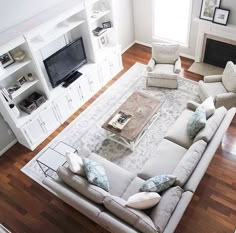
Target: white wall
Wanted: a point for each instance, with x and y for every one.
(143, 21)
(124, 22)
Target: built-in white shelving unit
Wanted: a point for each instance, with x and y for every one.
(41, 36)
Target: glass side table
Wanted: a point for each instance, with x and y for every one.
(51, 159)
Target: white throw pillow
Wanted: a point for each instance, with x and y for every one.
(75, 163)
(229, 77)
(209, 106)
(143, 200)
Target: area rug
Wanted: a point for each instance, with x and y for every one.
(85, 132)
(205, 69)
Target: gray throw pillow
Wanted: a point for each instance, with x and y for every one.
(158, 183)
(196, 122)
(96, 174)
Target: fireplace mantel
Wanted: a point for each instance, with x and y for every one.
(206, 28)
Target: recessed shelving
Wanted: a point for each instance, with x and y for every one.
(23, 88)
(60, 29)
(99, 15)
(11, 69)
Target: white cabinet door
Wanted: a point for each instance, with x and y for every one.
(114, 64)
(49, 119)
(34, 131)
(75, 98)
(94, 82)
(104, 72)
(84, 87)
(63, 108)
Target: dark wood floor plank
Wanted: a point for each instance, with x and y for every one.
(26, 207)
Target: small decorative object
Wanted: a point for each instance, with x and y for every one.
(106, 24)
(15, 110)
(22, 80)
(27, 106)
(103, 41)
(37, 98)
(30, 77)
(221, 16)
(208, 9)
(12, 89)
(95, 14)
(6, 59)
(120, 120)
(19, 55)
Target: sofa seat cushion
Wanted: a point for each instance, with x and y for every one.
(118, 178)
(138, 219)
(211, 89)
(161, 213)
(133, 188)
(212, 125)
(163, 71)
(188, 163)
(81, 185)
(167, 157)
(178, 132)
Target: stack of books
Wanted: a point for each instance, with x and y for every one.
(120, 120)
(98, 31)
(5, 94)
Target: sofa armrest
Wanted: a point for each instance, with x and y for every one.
(191, 105)
(213, 78)
(226, 99)
(177, 67)
(151, 65)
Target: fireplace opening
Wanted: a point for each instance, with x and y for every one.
(218, 53)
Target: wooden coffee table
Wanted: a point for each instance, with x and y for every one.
(144, 109)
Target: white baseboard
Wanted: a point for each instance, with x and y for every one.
(129, 46)
(187, 56)
(8, 147)
(142, 43)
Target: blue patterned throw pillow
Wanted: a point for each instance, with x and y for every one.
(158, 183)
(196, 122)
(96, 174)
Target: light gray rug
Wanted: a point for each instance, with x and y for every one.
(205, 69)
(86, 132)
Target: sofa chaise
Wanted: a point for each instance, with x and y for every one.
(109, 209)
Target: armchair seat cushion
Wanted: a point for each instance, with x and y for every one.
(210, 89)
(163, 71)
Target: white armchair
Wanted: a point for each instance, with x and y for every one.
(221, 87)
(164, 67)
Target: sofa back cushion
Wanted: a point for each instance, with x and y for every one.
(211, 126)
(229, 77)
(136, 218)
(161, 213)
(188, 163)
(164, 53)
(81, 185)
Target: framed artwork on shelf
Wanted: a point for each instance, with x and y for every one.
(22, 80)
(103, 42)
(208, 9)
(221, 16)
(106, 24)
(6, 59)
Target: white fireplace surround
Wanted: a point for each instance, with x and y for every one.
(207, 29)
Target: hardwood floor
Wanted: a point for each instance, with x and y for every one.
(26, 207)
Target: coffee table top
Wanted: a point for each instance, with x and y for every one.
(142, 107)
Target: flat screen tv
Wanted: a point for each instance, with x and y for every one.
(62, 64)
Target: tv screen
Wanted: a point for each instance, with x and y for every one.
(64, 62)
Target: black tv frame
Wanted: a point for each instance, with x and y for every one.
(70, 73)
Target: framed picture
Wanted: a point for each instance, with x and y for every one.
(6, 59)
(103, 41)
(22, 80)
(208, 9)
(221, 16)
(106, 24)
